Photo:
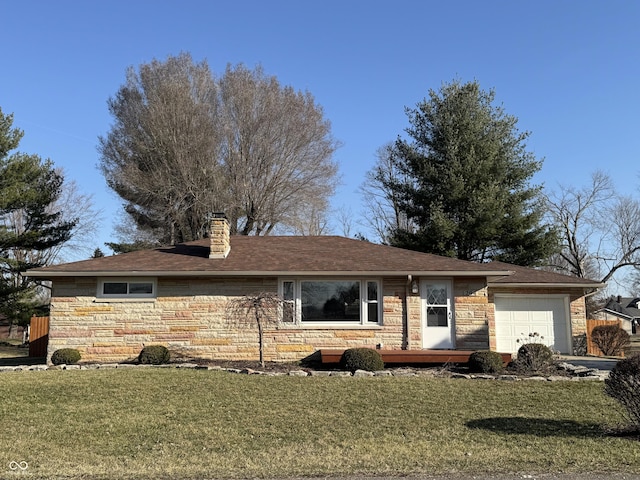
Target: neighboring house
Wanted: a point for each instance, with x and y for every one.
(624, 309)
(340, 293)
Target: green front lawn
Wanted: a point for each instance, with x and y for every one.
(160, 423)
(10, 347)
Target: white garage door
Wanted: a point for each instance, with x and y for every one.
(517, 317)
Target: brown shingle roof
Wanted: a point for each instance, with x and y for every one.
(321, 255)
(524, 275)
(264, 255)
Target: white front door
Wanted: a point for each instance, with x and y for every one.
(437, 317)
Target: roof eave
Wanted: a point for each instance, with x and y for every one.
(617, 314)
(548, 285)
(281, 273)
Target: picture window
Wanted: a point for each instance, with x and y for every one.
(321, 301)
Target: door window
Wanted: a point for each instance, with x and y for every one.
(437, 305)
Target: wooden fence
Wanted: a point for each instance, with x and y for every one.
(592, 349)
(38, 336)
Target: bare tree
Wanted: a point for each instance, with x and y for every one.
(131, 238)
(344, 218)
(278, 150)
(162, 154)
(185, 143)
(382, 203)
(306, 220)
(257, 309)
(625, 230)
(73, 204)
(600, 229)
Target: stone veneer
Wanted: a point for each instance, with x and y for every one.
(191, 317)
(472, 314)
(219, 246)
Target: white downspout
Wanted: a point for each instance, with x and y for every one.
(407, 291)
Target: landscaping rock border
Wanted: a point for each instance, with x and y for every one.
(571, 372)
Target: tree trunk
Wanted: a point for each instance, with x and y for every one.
(260, 339)
(13, 331)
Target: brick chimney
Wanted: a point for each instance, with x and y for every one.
(219, 236)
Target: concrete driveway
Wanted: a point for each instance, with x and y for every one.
(601, 363)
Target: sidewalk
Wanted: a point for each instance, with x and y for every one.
(483, 476)
(600, 363)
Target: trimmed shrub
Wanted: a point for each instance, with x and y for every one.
(534, 358)
(65, 356)
(623, 385)
(154, 355)
(361, 359)
(485, 361)
(610, 339)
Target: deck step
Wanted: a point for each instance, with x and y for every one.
(407, 357)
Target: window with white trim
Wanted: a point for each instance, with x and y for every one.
(372, 303)
(288, 301)
(126, 288)
(335, 301)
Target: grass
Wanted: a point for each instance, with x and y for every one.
(188, 424)
(10, 349)
(13, 354)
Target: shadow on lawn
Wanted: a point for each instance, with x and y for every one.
(17, 361)
(540, 427)
(14, 355)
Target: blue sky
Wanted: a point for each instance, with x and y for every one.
(569, 70)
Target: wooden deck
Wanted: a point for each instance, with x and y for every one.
(413, 357)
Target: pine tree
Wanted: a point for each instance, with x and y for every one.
(29, 186)
(463, 181)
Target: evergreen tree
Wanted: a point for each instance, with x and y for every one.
(463, 181)
(29, 226)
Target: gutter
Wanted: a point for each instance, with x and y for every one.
(255, 273)
(549, 285)
(618, 314)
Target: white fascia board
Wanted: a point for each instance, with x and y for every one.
(549, 285)
(617, 314)
(287, 273)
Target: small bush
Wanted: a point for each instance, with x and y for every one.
(65, 356)
(485, 362)
(154, 355)
(610, 339)
(361, 359)
(534, 358)
(623, 385)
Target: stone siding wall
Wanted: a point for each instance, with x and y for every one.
(191, 317)
(220, 245)
(473, 313)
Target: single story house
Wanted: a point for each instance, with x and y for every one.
(624, 309)
(339, 293)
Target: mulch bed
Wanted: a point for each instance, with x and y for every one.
(274, 367)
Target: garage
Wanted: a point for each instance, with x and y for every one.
(518, 316)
